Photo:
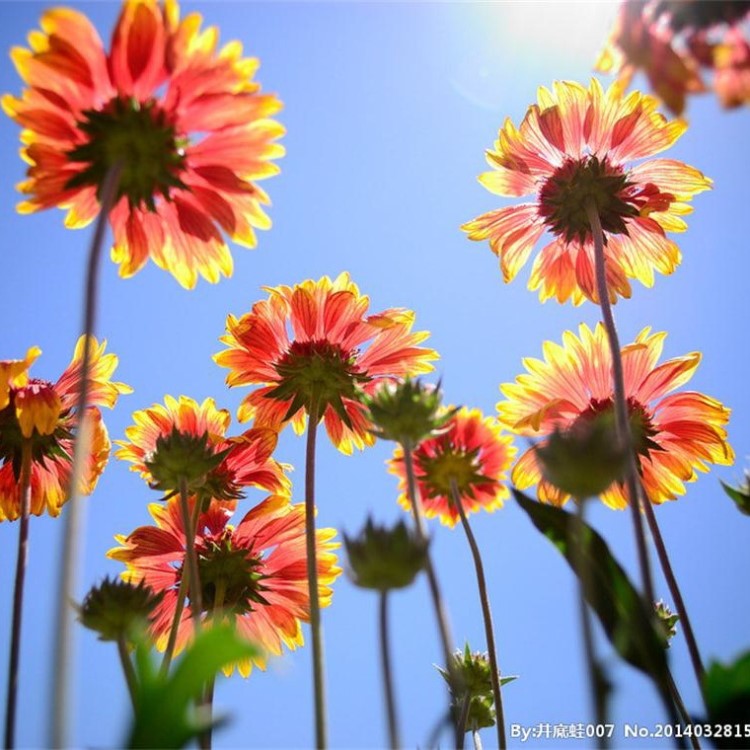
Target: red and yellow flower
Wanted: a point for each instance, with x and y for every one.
(43, 415)
(471, 451)
(181, 117)
(673, 41)
(232, 462)
(674, 434)
(314, 346)
(253, 575)
(573, 149)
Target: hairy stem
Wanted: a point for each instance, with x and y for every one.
(441, 615)
(385, 657)
(321, 724)
(62, 682)
(127, 668)
(661, 551)
(24, 493)
(487, 616)
(191, 558)
(622, 420)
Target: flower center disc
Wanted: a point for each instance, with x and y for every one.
(564, 196)
(140, 137)
(440, 470)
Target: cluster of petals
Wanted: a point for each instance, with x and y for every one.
(676, 44)
(272, 538)
(248, 458)
(570, 128)
(324, 318)
(686, 430)
(44, 414)
(202, 101)
(470, 450)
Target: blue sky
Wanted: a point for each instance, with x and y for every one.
(389, 108)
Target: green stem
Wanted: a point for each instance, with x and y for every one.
(385, 655)
(597, 679)
(441, 615)
(486, 614)
(206, 739)
(180, 603)
(24, 492)
(191, 558)
(321, 727)
(127, 668)
(674, 589)
(622, 420)
(72, 546)
(463, 716)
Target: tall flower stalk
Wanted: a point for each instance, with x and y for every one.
(489, 632)
(24, 488)
(316, 628)
(622, 420)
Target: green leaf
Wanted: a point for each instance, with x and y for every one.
(740, 495)
(726, 690)
(164, 704)
(627, 620)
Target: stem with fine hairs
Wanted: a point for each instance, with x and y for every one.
(622, 420)
(385, 656)
(180, 604)
(486, 616)
(72, 546)
(191, 558)
(24, 490)
(446, 638)
(321, 724)
(661, 551)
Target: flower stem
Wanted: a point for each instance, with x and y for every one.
(191, 558)
(179, 604)
(661, 551)
(321, 726)
(622, 420)
(385, 654)
(446, 638)
(486, 614)
(127, 668)
(477, 740)
(24, 491)
(597, 679)
(206, 739)
(62, 683)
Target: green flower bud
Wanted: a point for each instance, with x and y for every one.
(471, 676)
(179, 457)
(116, 609)
(585, 459)
(407, 412)
(667, 619)
(383, 559)
(740, 494)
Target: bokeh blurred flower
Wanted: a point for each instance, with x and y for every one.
(118, 610)
(252, 575)
(406, 411)
(472, 452)
(573, 149)
(674, 41)
(45, 414)
(182, 117)
(674, 434)
(184, 438)
(383, 558)
(314, 344)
